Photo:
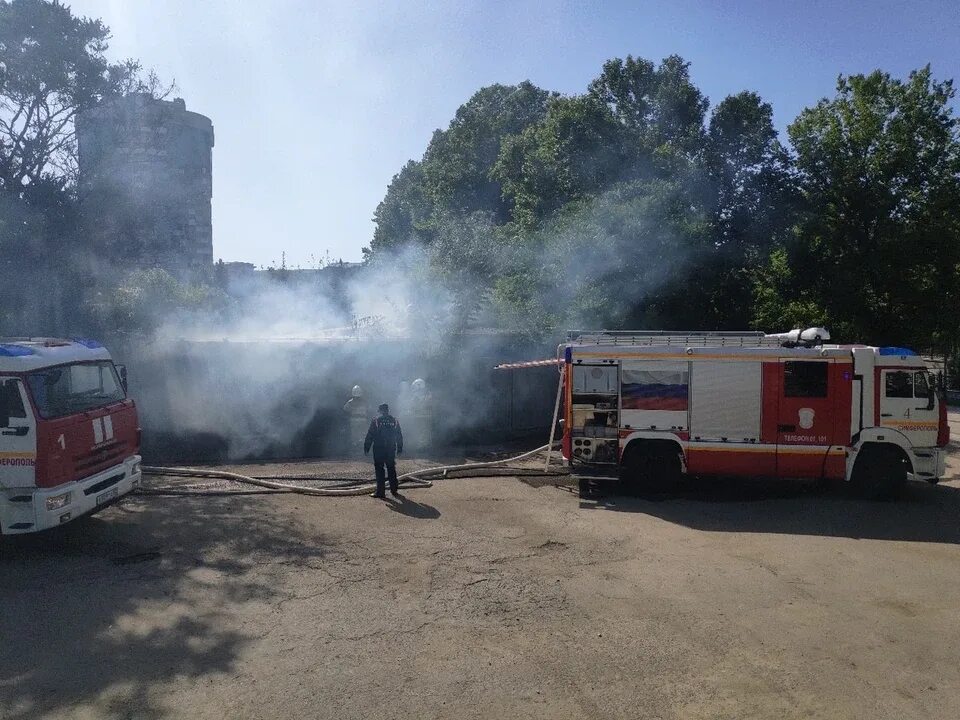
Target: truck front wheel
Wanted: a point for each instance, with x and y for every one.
(880, 472)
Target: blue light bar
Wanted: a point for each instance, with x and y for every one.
(896, 351)
(15, 351)
(87, 343)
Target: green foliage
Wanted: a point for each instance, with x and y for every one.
(661, 108)
(576, 150)
(457, 163)
(455, 174)
(605, 261)
(632, 206)
(403, 214)
(752, 204)
(878, 243)
(52, 66)
(146, 300)
(785, 300)
(595, 209)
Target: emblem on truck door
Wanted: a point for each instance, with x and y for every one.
(102, 429)
(806, 416)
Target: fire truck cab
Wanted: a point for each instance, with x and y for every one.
(648, 406)
(69, 436)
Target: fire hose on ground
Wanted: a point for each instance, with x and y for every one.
(412, 479)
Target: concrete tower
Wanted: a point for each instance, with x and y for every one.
(145, 184)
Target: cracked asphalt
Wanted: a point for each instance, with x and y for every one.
(491, 598)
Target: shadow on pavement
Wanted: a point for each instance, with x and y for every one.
(922, 513)
(102, 610)
(405, 506)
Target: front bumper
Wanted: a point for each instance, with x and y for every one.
(929, 463)
(86, 496)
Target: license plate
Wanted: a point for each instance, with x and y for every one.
(106, 496)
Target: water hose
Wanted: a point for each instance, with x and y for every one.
(411, 479)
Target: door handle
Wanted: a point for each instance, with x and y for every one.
(786, 428)
(17, 431)
(886, 414)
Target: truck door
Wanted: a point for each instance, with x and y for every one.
(908, 404)
(805, 417)
(18, 436)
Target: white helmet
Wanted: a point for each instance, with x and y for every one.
(419, 385)
(356, 392)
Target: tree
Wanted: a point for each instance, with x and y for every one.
(52, 66)
(749, 169)
(661, 107)
(752, 204)
(621, 207)
(618, 259)
(465, 258)
(401, 216)
(455, 174)
(578, 149)
(458, 162)
(878, 245)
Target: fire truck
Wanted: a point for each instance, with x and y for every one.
(69, 435)
(646, 407)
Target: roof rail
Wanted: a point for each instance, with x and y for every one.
(746, 339)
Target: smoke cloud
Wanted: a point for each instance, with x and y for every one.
(269, 377)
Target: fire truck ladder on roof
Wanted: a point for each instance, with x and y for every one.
(670, 337)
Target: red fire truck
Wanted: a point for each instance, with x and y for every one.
(69, 436)
(648, 406)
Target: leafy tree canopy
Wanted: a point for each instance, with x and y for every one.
(636, 204)
(878, 242)
(52, 66)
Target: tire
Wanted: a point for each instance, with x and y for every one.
(880, 473)
(651, 466)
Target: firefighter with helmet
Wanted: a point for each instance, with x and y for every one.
(357, 415)
(420, 410)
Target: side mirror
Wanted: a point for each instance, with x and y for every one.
(122, 372)
(4, 404)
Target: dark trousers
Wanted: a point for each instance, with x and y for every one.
(385, 467)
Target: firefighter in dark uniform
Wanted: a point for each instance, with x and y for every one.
(386, 439)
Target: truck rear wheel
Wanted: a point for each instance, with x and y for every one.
(880, 473)
(651, 466)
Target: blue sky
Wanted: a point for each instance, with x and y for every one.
(316, 105)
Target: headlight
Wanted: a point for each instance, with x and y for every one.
(135, 468)
(58, 501)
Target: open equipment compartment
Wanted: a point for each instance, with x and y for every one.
(595, 412)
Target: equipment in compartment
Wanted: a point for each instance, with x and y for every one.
(595, 450)
(595, 413)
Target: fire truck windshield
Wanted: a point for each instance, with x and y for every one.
(69, 389)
